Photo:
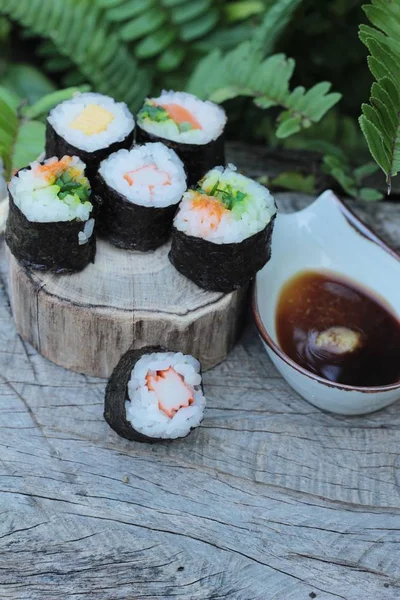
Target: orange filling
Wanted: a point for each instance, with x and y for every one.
(148, 176)
(211, 208)
(171, 391)
(52, 170)
(179, 114)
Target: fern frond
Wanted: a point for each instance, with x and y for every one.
(275, 21)
(380, 120)
(153, 28)
(243, 72)
(81, 33)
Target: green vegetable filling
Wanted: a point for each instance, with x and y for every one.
(232, 199)
(158, 114)
(150, 111)
(68, 186)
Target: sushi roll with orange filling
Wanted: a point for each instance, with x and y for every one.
(222, 231)
(155, 395)
(50, 225)
(91, 126)
(192, 127)
(138, 192)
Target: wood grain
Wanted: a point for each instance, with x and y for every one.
(270, 499)
(88, 320)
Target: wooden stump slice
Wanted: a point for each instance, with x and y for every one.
(86, 321)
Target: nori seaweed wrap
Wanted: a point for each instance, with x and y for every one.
(46, 232)
(222, 231)
(189, 126)
(90, 126)
(154, 395)
(220, 267)
(138, 192)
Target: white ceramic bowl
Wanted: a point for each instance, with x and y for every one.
(326, 235)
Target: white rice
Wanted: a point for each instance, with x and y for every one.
(37, 198)
(63, 114)
(251, 217)
(165, 160)
(210, 116)
(143, 411)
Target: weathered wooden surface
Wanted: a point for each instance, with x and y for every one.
(270, 499)
(88, 320)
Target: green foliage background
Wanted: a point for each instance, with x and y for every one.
(291, 73)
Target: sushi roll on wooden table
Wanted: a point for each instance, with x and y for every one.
(138, 192)
(155, 395)
(90, 126)
(222, 231)
(192, 127)
(49, 224)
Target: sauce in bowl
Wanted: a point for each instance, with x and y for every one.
(339, 330)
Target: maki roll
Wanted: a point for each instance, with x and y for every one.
(90, 126)
(188, 125)
(138, 191)
(49, 224)
(222, 230)
(154, 395)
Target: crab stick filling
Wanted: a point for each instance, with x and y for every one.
(179, 114)
(54, 169)
(209, 211)
(93, 119)
(170, 389)
(149, 176)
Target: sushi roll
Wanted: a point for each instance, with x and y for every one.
(49, 225)
(90, 126)
(138, 191)
(155, 395)
(188, 125)
(222, 230)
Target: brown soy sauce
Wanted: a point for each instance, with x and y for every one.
(338, 330)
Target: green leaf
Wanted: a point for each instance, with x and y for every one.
(297, 182)
(200, 26)
(341, 172)
(155, 43)
(29, 143)
(375, 143)
(370, 194)
(189, 11)
(380, 121)
(147, 23)
(289, 127)
(45, 104)
(127, 10)
(171, 58)
(275, 22)
(11, 99)
(27, 82)
(365, 170)
(238, 11)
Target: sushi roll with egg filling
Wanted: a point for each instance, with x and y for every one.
(222, 230)
(192, 127)
(49, 225)
(90, 126)
(155, 395)
(138, 191)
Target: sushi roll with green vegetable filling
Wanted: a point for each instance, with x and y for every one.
(90, 126)
(138, 191)
(192, 127)
(49, 225)
(222, 230)
(155, 395)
